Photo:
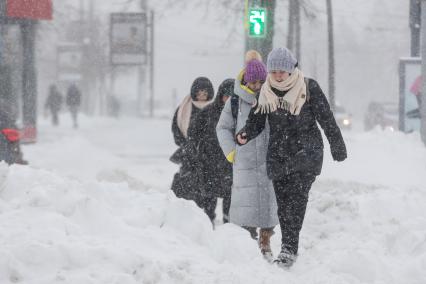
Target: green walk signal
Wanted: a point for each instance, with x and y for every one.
(257, 22)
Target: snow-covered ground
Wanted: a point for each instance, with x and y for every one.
(94, 207)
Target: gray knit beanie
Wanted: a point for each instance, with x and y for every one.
(281, 59)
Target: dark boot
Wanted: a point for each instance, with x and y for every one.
(225, 219)
(285, 259)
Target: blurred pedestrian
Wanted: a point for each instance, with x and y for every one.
(54, 103)
(73, 101)
(114, 106)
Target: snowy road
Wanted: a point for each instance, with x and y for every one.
(94, 207)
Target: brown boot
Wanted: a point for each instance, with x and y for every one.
(265, 243)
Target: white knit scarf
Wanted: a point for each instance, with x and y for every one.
(184, 113)
(292, 101)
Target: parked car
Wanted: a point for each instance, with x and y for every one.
(385, 114)
(343, 118)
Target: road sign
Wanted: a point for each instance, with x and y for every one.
(128, 38)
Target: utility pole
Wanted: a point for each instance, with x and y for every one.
(2, 12)
(294, 28)
(331, 65)
(141, 69)
(29, 79)
(298, 31)
(291, 23)
(151, 65)
(423, 94)
(91, 68)
(415, 23)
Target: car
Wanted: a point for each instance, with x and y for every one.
(343, 118)
(384, 114)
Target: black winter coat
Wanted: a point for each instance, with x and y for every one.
(217, 171)
(188, 182)
(295, 143)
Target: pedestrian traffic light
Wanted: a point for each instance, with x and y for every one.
(257, 22)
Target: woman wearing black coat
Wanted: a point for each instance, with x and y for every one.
(293, 105)
(188, 183)
(217, 170)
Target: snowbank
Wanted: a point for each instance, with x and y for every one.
(110, 217)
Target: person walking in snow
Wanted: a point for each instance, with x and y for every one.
(292, 105)
(217, 170)
(54, 103)
(189, 182)
(253, 202)
(73, 101)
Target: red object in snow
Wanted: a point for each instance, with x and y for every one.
(416, 87)
(29, 134)
(12, 135)
(30, 9)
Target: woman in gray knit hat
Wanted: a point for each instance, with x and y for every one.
(292, 104)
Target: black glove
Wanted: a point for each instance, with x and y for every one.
(339, 153)
(243, 134)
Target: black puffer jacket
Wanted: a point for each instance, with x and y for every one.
(295, 143)
(189, 182)
(217, 170)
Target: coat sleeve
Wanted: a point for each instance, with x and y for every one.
(177, 134)
(225, 131)
(325, 118)
(255, 124)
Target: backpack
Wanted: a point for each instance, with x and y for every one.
(235, 100)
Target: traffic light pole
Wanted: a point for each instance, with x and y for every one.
(262, 44)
